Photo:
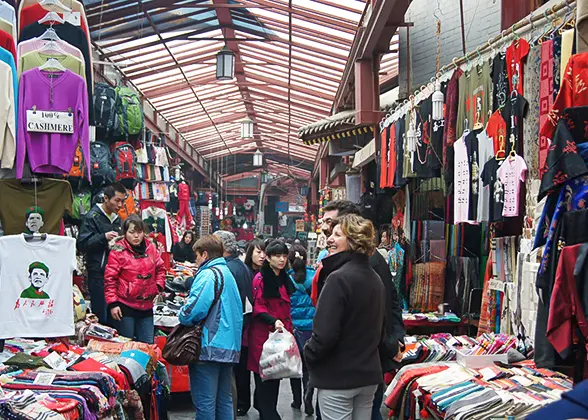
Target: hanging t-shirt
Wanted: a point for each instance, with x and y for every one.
(496, 130)
(513, 113)
(399, 127)
(471, 142)
(424, 151)
(475, 89)
(391, 146)
(485, 153)
(511, 174)
(54, 197)
(495, 189)
(515, 57)
(384, 157)
(499, 82)
(461, 193)
(36, 286)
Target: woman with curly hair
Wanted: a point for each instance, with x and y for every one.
(342, 354)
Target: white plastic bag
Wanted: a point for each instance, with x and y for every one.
(280, 357)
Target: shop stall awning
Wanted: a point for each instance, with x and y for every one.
(342, 124)
(365, 155)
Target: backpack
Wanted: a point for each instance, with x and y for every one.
(78, 168)
(81, 204)
(128, 112)
(125, 161)
(101, 171)
(105, 116)
(129, 207)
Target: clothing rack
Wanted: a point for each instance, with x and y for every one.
(489, 49)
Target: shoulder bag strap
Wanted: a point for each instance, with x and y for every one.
(218, 290)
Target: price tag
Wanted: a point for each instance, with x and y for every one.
(75, 18)
(55, 361)
(496, 284)
(44, 378)
(50, 122)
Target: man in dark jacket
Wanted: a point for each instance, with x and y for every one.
(100, 226)
(391, 348)
(244, 279)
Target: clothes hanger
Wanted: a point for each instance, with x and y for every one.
(513, 154)
(501, 154)
(52, 17)
(52, 63)
(52, 47)
(34, 237)
(50, 35)
(54, 4)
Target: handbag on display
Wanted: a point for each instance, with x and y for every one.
(184, 343)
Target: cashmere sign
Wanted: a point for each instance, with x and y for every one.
(36, 286)
(50, 122)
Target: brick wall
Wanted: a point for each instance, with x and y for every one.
(482, 22)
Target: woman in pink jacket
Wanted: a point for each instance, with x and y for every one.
(272, 288)
(134, 276)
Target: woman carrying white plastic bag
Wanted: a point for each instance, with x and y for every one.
(280, 357)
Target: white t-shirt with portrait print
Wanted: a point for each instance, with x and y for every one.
(512, 174)
(46, 310)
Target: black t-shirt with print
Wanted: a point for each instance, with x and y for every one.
(513, 113)
(424, 153)
(499, 82)
(471, 142)
(490, 178)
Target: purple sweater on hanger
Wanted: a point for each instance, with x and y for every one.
(52, 153)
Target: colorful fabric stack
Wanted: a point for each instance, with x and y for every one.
(451, 391)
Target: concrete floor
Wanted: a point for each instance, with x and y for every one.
(181, 407)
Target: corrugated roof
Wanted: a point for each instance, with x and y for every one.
(289, 62)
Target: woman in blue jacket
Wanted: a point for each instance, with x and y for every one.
(211, 378)
(302, 313)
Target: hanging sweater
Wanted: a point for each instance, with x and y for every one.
(52, 152)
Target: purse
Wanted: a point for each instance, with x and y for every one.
(184, 343)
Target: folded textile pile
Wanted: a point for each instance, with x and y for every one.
(453, 392)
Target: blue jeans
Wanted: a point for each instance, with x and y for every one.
(378, 399)
(138, 329)
(210, 386)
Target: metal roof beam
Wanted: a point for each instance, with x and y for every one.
(225, 18)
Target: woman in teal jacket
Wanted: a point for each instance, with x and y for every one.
(302, 313)
(210, 380)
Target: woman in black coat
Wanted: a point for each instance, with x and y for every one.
(342, 355)
(183, 250)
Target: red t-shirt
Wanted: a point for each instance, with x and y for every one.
(515, 56)
(36, 12)
(7, 42)
(496, 130)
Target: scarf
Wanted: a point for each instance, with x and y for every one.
(273, 282)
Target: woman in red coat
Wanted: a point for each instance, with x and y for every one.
(134, 276)
(272, 288)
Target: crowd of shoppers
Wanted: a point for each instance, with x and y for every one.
(345, 316)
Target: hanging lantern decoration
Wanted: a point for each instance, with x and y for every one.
(411, 137)
(209, 201)
(225, 64)
(247, 128)
(438, 100)
(258, 159)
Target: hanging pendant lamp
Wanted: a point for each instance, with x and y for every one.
(247, 128)
(258, 158)
(225, 64)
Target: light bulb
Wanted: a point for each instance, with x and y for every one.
(245, 225)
